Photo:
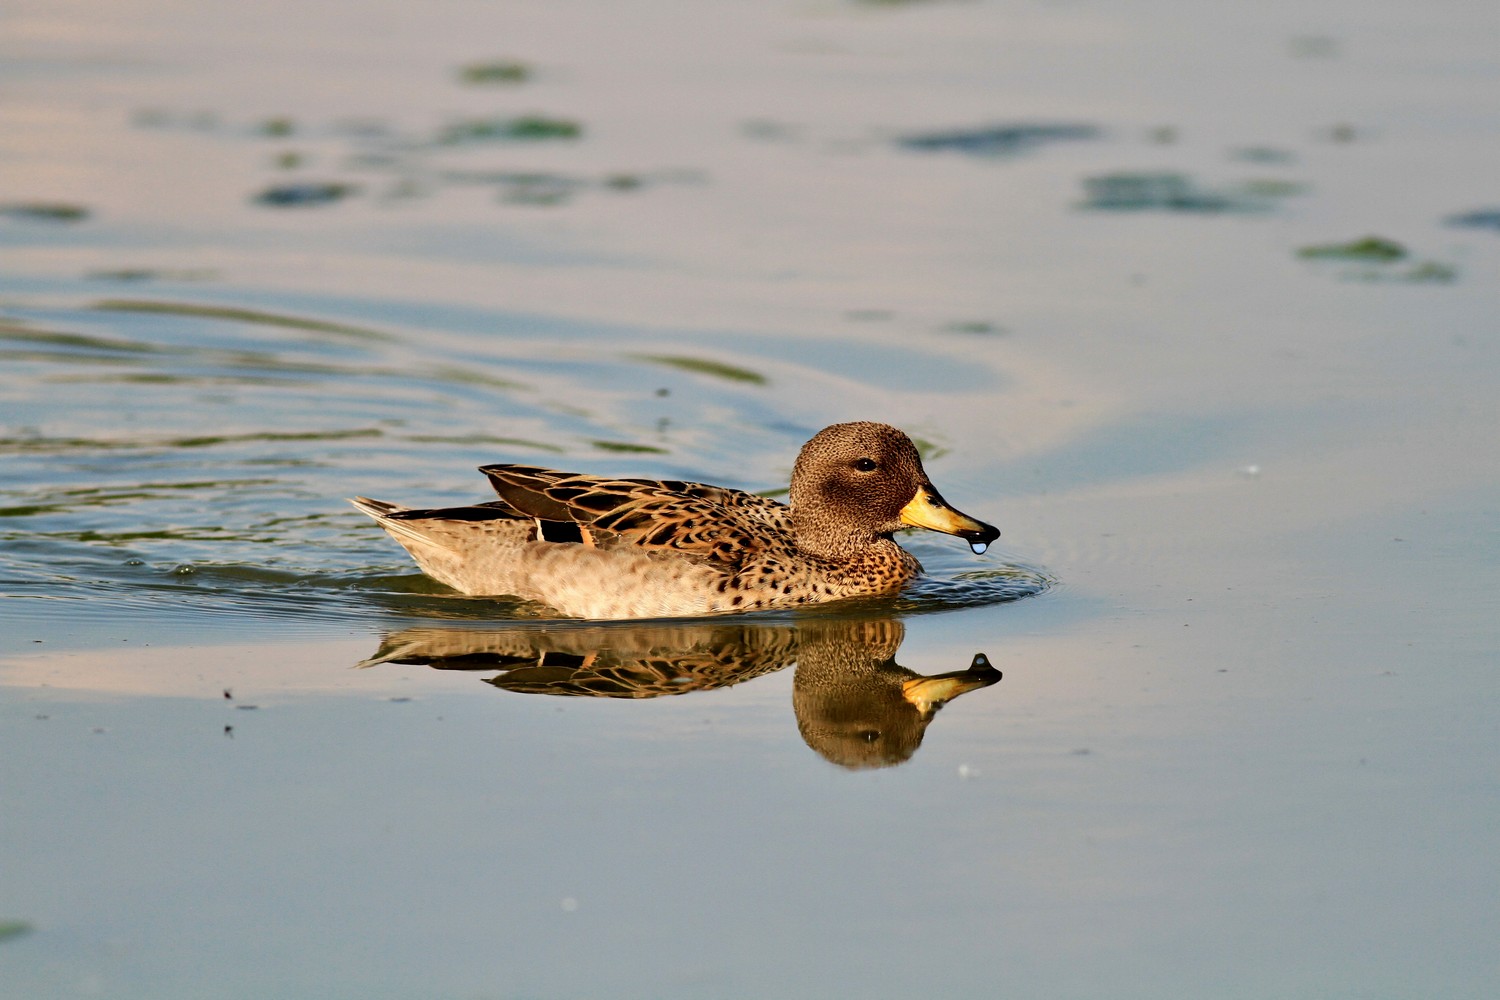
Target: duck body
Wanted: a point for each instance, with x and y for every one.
(602, 548)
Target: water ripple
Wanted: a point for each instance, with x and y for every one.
(184, 461)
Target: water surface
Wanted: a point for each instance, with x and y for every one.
(1250, 498)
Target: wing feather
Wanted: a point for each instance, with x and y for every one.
(708, 522)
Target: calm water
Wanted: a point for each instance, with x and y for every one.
(1198, 307)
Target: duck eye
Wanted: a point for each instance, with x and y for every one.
(865, 464)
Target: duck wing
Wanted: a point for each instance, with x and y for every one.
(713, 523)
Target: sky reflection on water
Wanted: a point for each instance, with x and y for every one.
(1223, 366)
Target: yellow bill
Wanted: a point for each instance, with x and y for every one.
(929, 510)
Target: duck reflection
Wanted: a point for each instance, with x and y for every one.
(855, 705)
(858, 707)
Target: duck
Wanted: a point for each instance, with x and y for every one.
(603, 549)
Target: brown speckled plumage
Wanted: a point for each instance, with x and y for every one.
(641, 548)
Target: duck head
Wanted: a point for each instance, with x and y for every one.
(857, 482)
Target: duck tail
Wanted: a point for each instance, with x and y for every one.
(385, 515)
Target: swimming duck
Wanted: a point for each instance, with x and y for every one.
(601, 548)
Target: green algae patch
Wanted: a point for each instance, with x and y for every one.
(304, 194)
(1376, 259)
(623, 182)
(1369, 250)
(545, 188)
(1431, 272)
(1266, 155)
(973, 326)
(13, 929)
(538, 189)
(629, 448)
(1128, 191)
(929, 450)
(703, 366)
(142, 274)
(210, 441)
(12, 332)
(491, 72)
(235, 314)
(44, 211)
(483, 439)
(998, 140)
(276, 128)
(1272, 187)
(527, 128)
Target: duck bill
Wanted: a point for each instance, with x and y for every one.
(929, 510)
(926, 694)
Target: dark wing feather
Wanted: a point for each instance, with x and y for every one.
(525, 487)
(710, 522)
(495, 510)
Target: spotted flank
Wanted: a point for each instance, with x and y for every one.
(601, 548)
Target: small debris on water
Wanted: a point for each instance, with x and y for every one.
(1480, 218)
(998, 140)
(304, 194)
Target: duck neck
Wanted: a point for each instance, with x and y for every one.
(825, 537)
